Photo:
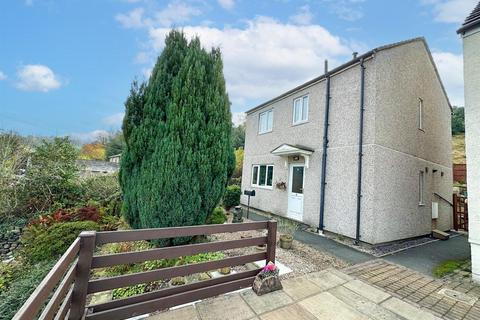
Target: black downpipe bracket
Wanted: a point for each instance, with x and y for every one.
(323, 183)
(360, 149)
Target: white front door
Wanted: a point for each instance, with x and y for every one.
(295, 191)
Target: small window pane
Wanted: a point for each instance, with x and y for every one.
(262, 176)
(269, 176)
(255, 175)
(297, 180)
(420, 114)
(269, 120)
(305, 109)
(421, 183)
(297, 110)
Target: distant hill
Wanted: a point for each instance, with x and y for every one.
(458, 148)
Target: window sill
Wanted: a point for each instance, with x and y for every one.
(262, 133)
(421, 204)
(262, 187)
(299, 123)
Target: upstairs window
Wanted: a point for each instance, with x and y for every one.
(421, 187)
(300, 110)
(262, 176)
(265, 121)
(420, 114)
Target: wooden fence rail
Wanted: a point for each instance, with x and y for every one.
(69, 299)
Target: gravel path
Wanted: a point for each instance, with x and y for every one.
(302, 259)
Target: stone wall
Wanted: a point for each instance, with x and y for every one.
(9, 242)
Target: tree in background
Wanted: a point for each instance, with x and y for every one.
(14, 154)
(115, 144)
(51, 176)
(238, 136)
(177, 132)
(93, 151)
(458, 120)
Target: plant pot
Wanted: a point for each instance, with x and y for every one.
(286, 241)
(237, 214)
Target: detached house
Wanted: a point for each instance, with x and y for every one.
(362, 151)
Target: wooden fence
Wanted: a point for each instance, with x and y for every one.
(460, 212)
(73, 269)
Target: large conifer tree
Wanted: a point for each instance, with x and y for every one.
(177, 131)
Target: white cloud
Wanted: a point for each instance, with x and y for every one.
(91, 136)
(451, 11)
(114, 119)
(303, 17)
(3, 76)
(346, 9)
(266, 57)
(175, 12)
(37, 77)
(238, 118)
(227, 4)
(133, 19)
(450, 67)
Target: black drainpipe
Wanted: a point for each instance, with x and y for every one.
(325, 147)
(360, 148)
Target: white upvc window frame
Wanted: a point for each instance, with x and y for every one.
(268, 126)
(255, 182)
(420, 114)
(421, 188)
(302, 104)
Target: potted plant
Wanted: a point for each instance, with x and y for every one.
(267, 280)
(281, 185)
(287, 228)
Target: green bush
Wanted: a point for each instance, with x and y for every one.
(104, 191)
(13, 298)
(218, 216)
(8, 274)
(47, 243)
(232, 196)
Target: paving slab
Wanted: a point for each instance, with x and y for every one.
(367, 291)
(266, 302)
(290, 312)
(407, 310)
(299, 288)
(325, 279)
(230, 306)
(325, 306)
(362, 304)
(185, 313)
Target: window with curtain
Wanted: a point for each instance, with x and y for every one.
(300, 110)
(265, 121)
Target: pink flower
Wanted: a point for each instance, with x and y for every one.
(270, 267)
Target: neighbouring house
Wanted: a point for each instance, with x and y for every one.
(362, 151)
(115, 158)
(470, 32)
(90, 168)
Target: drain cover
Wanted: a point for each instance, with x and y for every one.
(458, 296)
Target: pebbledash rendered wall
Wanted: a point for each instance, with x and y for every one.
(395, 150)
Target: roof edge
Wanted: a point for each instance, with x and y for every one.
(340, 69)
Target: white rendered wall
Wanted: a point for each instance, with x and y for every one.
(471, 56)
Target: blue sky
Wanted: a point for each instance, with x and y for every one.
(66, 66)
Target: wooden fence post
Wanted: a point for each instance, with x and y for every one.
(455, 218)
(271, 240)
(79, 294)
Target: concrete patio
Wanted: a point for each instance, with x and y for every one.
(328, 294)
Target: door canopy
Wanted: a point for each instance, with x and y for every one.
(286, 150)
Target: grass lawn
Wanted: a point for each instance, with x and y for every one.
(458, 148)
